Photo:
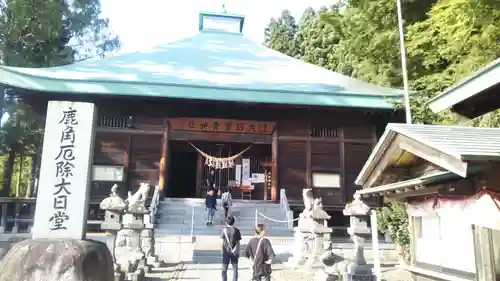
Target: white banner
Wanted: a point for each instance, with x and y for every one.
(237, 175)
(245, 174)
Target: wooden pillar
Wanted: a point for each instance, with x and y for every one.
(162, 181)
(379, 199)
(343, 193)
(199, 176)
(308, 164)
(126, 165)
(274, 169)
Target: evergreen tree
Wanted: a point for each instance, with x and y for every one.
(280, 34)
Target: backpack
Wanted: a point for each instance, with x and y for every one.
(226, 199)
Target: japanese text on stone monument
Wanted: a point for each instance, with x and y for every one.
(65, 171)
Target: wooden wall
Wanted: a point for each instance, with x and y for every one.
(304, 150)
(139, 153)
(329, 141)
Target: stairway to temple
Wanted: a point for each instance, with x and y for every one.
(181, 232)
(188, 217)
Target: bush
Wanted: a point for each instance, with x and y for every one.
(393, 219)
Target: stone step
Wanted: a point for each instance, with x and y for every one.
(218, 227)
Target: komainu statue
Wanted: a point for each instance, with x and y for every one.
(140, 195)
(136, 201)
(308, 198)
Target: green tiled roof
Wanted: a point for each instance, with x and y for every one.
(209, 66)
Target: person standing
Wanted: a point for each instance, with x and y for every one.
(231, 238)
(211, 179)
(260, 251)
(211, 205)
(227, 201)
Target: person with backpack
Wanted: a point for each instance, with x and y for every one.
(211, 205)
(231, 238)
(260, 251)
(227, 201)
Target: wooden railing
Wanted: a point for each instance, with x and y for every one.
(153, 206)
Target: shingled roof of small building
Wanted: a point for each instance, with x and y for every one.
(464, 144)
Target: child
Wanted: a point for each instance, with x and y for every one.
(227, 201)
(211, 205)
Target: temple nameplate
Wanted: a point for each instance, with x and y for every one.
(222, 126)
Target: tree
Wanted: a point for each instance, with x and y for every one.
(280, 34)
(318, 39)
(52, 32)
(44, 34)
(447, 40)
(458, 38)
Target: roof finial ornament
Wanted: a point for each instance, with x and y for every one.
(224, 7)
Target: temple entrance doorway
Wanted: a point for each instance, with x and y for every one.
(182, 180)
(189, 169)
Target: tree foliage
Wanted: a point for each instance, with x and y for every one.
(281, 32)
(44, 34)
(52, 32)
(446, 40)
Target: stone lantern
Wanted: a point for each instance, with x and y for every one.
(359, 231)
(113, 207)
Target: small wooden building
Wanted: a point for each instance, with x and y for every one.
(448, 175)
(473, 96)
(303, 126)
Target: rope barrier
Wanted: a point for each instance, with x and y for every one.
(268, 218)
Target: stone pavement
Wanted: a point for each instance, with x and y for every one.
(211, 272)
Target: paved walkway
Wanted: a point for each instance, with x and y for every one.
(211, 272)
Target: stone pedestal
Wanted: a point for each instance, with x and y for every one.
(57, 260)
(129, 252)
(133, 246)
(148, 246)
(312, 236)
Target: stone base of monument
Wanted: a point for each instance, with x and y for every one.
(360, 277)
(138, 275)
(119, 276)
(57, 260)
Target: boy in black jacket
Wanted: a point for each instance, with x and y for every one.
(260, 251)
(211, 205)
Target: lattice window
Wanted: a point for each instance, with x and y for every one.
(324, 132)
(115, 121)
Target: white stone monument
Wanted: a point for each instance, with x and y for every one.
(65, 172)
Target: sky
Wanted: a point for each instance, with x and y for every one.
(145, 23)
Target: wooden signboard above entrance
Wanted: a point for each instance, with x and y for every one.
(222, 126)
